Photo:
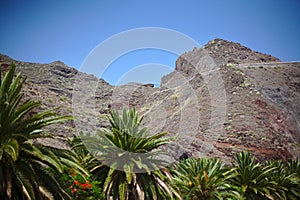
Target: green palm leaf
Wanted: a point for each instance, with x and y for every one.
(251, 178)
(132, 154)
(24, 165)
(201, 178)
(11, 147)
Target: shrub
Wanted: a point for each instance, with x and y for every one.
(81, 187)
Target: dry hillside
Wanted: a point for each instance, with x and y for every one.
(220, 99)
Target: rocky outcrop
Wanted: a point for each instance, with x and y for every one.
(223, 51)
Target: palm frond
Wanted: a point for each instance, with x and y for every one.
(24, 164)
(133, 157)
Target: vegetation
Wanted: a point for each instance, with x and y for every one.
(23, 161)
(122, 161)
(286, 179)
(245, 179)
(202, 179)
(187, 179)
(130, 152)
(272, 180)
(81, 187)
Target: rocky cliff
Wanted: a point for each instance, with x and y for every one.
(220, 99)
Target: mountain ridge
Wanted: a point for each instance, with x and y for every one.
(220, 99)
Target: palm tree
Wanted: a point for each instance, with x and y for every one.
(202, 179)
(286, 179)
(135, 171)
(24, 163)
(252, 178)
(293, 167)
(81, 153)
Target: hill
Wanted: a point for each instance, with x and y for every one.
(220, 99)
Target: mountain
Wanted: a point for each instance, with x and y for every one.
(220, 99)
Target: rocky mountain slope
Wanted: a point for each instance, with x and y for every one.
(220, 99)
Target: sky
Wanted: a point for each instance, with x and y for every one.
(69, 30)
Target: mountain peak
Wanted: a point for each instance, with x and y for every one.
(224, 51)
(58, 62)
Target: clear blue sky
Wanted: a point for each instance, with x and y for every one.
(68, 30)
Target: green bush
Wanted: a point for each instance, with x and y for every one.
(80, 187)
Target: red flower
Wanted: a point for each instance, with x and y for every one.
(74, 190)
(73, 173)
(86, 186)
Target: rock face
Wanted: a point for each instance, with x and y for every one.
(220, 99)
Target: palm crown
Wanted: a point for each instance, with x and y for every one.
(133, 157)
(23, 163)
